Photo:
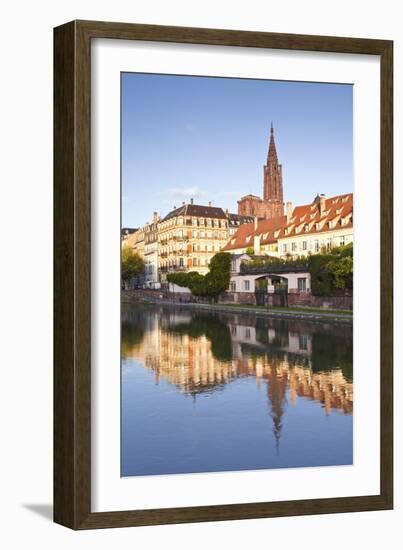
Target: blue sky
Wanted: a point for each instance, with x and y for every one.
(207, 138)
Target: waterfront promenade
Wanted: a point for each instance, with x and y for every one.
(309, 314)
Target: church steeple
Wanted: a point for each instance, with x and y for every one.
(272, 152)
(273, 181)
(271, 206)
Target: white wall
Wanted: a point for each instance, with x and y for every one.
(26, 289)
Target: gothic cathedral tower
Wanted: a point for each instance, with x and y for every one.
(271, 206)
(273, 182)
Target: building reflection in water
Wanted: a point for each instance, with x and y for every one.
(200, 352)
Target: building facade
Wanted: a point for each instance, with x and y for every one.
(272, 205)
(189, 236)
(322, 225)
(151, 256)
(306, 229)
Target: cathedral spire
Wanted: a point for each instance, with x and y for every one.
(272, 152)
(273, 181)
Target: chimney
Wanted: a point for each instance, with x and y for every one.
(191, 200)
(155, 217)
(209, 203)
(289, 211)
(322, 203)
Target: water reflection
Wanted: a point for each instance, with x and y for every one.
(202, 354)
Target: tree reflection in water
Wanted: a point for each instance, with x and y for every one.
(201, 353)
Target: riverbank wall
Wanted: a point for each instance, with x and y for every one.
(158, 297)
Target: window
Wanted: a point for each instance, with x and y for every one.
(284, 247)
(246, 285)
(247, 333)
(342, 241)
(181, 262)
(329, 243)
(316, 245)
(293, 247)
(304, 245)
(301, 284)
(195, 234)
(303, 341)
(233, 286)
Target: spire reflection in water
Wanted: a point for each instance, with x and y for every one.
(205, 392)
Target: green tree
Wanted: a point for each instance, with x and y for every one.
(210, 285)
(332, 269)
(250, 251)
(342, 271)
(132, 265)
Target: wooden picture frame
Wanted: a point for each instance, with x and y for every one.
(72, 273)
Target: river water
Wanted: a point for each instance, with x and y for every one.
(208, 392)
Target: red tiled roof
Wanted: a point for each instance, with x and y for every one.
(304, 219)
(266, 228)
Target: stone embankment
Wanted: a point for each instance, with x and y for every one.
(165, 298)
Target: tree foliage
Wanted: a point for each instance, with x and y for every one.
(132, 264)
(329, 270)
(342, 272)
(210, 285)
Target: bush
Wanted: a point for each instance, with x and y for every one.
(213, 283)
(331, 270)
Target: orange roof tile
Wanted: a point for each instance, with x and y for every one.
(304, 219)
